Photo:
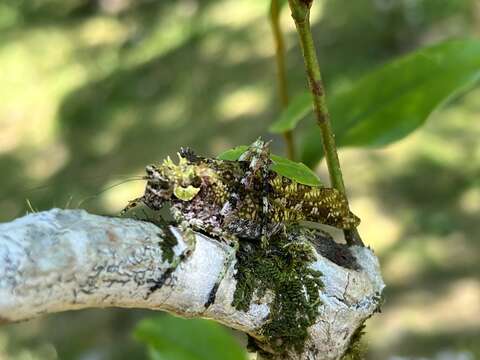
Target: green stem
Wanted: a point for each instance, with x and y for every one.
(281, 72)
(301, 15)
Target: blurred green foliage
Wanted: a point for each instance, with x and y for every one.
(172, 338)
(93, 90)
(299, 107)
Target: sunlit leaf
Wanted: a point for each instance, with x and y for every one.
(298, 108)
(296, 171)
(399, 97)
(233, 154)
(290, 169)
(391, 102)
(172, 338)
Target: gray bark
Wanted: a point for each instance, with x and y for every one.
(61, 260)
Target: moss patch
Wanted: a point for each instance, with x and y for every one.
(282, 268)
(356, 349)
(167, 244)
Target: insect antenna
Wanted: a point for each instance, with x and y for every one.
(27, 190)
(29, 195)
(30, 207)
(91, 197)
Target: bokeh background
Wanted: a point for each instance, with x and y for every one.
(93, 90)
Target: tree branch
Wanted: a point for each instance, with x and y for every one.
(61, 260)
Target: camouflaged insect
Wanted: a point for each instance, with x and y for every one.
(239, 199)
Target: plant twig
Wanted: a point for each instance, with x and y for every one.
(301, 15)
(281, 71)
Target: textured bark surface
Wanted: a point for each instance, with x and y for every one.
(61, 260)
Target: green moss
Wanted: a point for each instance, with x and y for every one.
(167, 244)
(282, 268)
(356, 349)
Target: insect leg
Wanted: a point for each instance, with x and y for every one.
(132, 204)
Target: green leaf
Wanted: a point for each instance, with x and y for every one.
(298, 108)
(233, 154)
(399, 97)
(172, 338)
(290, 169)
(390, 103)
(295, 171)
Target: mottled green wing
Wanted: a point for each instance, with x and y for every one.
(293, 202)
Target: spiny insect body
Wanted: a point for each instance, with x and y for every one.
(239, 199)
